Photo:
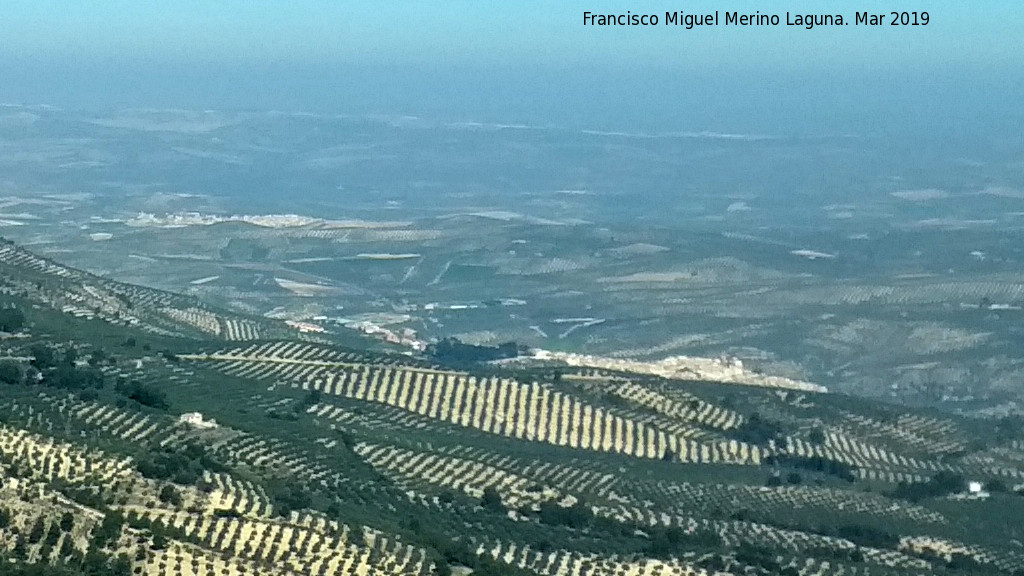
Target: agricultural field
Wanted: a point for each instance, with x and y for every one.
(583, 245)
(146, 432)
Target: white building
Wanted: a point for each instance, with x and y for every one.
(195, 420)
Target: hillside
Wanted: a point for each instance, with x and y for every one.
(146, 432)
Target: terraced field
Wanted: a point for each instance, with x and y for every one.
(148, 434)
(533, 411)
(82, 295)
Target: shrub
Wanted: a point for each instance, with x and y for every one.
(941, 484)
(491, 500)
(88, 395)
(10, 372)
(757, 556)
(868, 536)
(667, 542)
(758, 430)
(226, 513)
(815, 464)
(576, 516)
(183, 466)
(453, 352)
(169, 495)
(43, 356)
(996, 485)
(143, 394)
(285, 496)
(67, 377)
(11, 319)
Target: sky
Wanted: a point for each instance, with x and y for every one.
(461, 32)
(527, 60)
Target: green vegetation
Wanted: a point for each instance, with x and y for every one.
(93, 565)
(184, 466)
(941, 484)
(382, 478)
(11, 319)
(452, 352)
(868, 536)
(143, 394)
(68, 377)
(10, 372)
(758, 430)
(491, 500)
(672, 541)
(286, 495)
(819, 464)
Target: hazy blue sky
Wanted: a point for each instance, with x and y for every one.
(513, 60)
(475, 31)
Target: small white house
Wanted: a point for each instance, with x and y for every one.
(974, 487)
(195, 420)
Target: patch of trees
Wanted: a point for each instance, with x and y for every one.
(312, 398)
(226, 513)
(758, 556)
(287, 495)
(184, 466)
(347, 439)
(855, 555)
(244, 250)
(671, 541)
(941, 484)
(93, 564)
(453, 352)
(660, 541)
(109, 530)
(57, 372)
(1009, 428)
(43, 356)
(67, 377)
(10, 372)
(446, 552)
(818, 464)
(143, 394)
(961, 561)
(99, 356)
(160, 532)
(761, 431)
(284, 415)
(816, 435)
(36, 533)
(576, 516)
(868, 536)
(11, 319)
(996, 486)
(90, 495)
(491, 500)
(169, 495)
(88, 395)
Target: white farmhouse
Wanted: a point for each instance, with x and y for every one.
(195, 420)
